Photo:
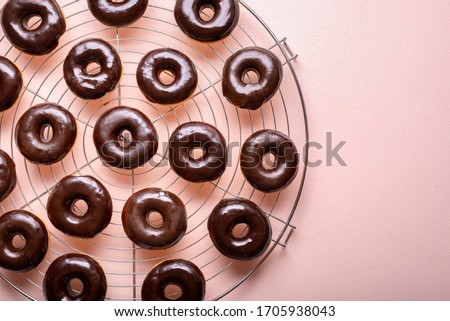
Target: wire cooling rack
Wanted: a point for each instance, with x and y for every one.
(125, 264)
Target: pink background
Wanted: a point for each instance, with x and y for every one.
(376, 74)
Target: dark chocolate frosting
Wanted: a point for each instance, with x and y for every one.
(8, 178)
(131, 154)
(92, 86)
(251, 95)
(197, 135)
(28, 133)
(231, 212)
(66, 193)
(166, 59)
(178, 272)
(74, 266)
(40, 41)
(10, 83)
(117, 14)
(32, 230)
(141, 232)
(221, 24)
(286, 165)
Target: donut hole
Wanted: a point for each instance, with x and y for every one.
(18, 242)
(173, 291)
(269, 161)
(93, 68)
(240, 230)
(75, 287)
(197, 153)
(207, 12)
(80, 207)
(32, 21)
(125, 138)
(155, 219)
(250, 76)
(46, 133)
(166, 77)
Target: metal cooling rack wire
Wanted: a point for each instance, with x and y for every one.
(203, 93)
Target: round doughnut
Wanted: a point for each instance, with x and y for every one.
(243, 93)
(197, 135)
(110, 144)
(33, 232)
(92, 85)
(117, 14)
(222, 23)
(74, 266)
(286, 160)
(63, 197)
(43, 39)
(11, 83)
(29, 133)
(137, 226)
(8, 178)
(228, 214)
(184, 274)
(149, 71)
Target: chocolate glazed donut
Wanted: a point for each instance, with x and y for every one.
(74, 266)
(108, 134)
(43, 39)
(228, 214)
(197, 135)
(186, 275)
(30, 140)
(35, 235)
(63, 197)
(222, 23)
(243, 93)
(286, 160)
(117, 14)
(166, 60)
(8, 178)
(141, 231)
(88, 85)
(11, 83)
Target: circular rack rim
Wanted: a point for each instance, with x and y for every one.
(289, 57)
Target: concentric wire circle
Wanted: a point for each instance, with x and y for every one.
(125, 264)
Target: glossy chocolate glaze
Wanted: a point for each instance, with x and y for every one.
(10, 83)
(137, 152)
(117, 14)
(8, 178)
(197, 135)
(159, 60)
(231, 212)
(74, 266)
(32, 230)
(286, 166)
(225, 19)
(251, 95)
(28, 133)
(88, 189)
(95, 86)
(42, 40)
(179, 272)
(141, 232)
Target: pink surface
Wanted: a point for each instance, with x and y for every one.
(375, 74)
